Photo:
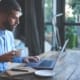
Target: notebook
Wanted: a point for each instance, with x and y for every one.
(46, 64)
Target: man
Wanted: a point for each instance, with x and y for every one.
(10, 13)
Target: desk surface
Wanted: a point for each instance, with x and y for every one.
(67, 67)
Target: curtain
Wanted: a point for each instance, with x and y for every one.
(33, 31)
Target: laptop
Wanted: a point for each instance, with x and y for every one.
(46, 64)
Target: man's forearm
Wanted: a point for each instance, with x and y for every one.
(6, 57)
(3, 59)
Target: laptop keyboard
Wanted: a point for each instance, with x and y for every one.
(45, 63)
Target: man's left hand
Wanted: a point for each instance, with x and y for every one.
(31, 59)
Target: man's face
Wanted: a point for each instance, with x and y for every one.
(12, 20)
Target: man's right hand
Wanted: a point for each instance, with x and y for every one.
(8, 56)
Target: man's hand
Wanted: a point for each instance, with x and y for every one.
(8, 56)
(31, 59)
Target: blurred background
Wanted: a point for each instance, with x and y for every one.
(39, 20)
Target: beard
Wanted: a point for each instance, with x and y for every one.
(8, 26)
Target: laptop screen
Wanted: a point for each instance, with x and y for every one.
(64, 46)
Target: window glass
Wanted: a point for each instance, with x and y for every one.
(48, 33)
(73, 33)
(48, 15)
(72, 15)
(72, 11)
(48, 5)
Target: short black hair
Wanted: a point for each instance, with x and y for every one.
(9, 5)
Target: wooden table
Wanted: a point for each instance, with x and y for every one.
(67, 67)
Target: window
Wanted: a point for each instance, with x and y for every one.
(49, 11)
(72, 22)
(48, 6)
